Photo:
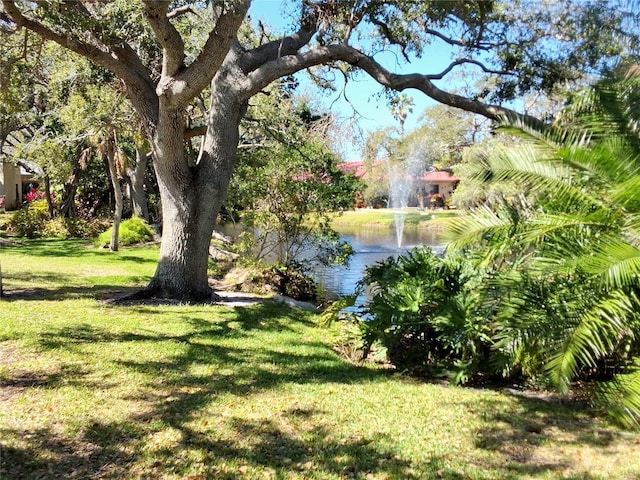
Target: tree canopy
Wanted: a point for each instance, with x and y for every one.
(163, 64)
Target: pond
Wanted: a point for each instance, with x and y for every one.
(370, 246)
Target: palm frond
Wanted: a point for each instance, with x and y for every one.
(616, 262)
(631, 228)
(598, 332)
(607, 108)
(608, 161)
(547, 225)
(549, 138)
(621, 396)
(627, 194)
(546, 176)
(473, 228)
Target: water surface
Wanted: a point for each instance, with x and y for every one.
(370, 246)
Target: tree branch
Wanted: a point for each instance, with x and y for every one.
(195, 132)
(390, 36)
(444, 38)
(277, 48)
(129, 69)
(180, 11)
(462, 61)
(324, 54)
(123, 50)
(425, 85)
(172, 44)
(193, 79)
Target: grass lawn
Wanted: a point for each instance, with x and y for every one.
(90, 389)
(384, 218)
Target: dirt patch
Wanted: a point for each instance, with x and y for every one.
(14, 384)
(9, 354)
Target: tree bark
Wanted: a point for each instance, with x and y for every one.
(47, 193)
(136, 176)
(68, 203)
(192, 194)
(186, 230)
(117, 192)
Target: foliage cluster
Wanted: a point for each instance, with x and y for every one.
(569, 249)
(33, 221)
(262, 279)
(542, 284)
(132, 230)
(292, 282)
(427, 313)
(287, 186)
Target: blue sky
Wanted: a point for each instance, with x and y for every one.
(363, 93)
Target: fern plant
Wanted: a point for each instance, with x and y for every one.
(424, 311)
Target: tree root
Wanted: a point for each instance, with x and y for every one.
(154, 296)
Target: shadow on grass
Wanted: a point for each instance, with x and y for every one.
(176, 398)
(109, 451)
(73, 248)
(172, 435)
(48, 247)
(73, 282)
(44, 454)
(518, 433)
(98, 292)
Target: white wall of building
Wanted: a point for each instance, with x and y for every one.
(10, 185)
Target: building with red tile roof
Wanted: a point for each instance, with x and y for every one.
(436, 184)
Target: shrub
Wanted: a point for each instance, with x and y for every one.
(83, 228)
(55, 228)
(292, 282)
(74, 228)
(30, 221)
(133, 230)
(257, 278)
(424, 312)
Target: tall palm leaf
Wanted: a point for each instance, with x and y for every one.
(580, 219)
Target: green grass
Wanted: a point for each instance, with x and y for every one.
(384, 218)
(90, 389)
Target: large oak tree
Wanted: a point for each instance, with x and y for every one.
(523, 45)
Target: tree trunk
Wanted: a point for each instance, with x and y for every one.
(192, 195)
(186, 226)
(117, 192)
(68, 203)
(47, 193)
(136, 177)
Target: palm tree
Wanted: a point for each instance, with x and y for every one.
(567, 253)
(401, 106)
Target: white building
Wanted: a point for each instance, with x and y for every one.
(10, 185)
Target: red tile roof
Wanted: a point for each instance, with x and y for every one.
(359, 169)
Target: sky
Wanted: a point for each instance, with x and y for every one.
(362, 93)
